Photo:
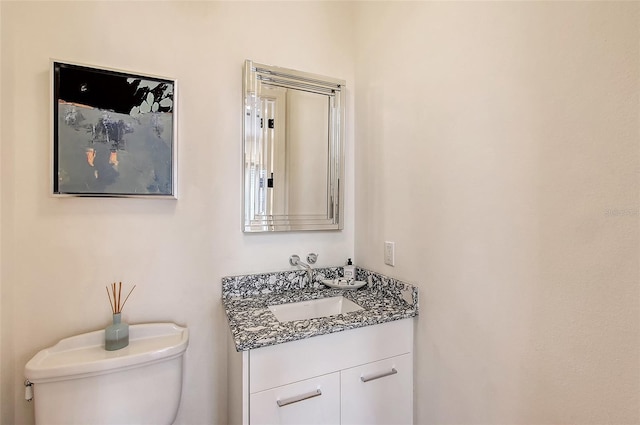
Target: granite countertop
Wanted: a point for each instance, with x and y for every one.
(246, 300)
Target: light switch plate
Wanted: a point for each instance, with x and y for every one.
(389, 253)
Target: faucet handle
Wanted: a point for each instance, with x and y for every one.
(294, 260)
(312, 258)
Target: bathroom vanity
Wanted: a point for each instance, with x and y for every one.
(350, 368)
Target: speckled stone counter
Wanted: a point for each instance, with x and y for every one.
(246, 300)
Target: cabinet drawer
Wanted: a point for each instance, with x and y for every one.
(312, 401)
(378, 393)
(297, 360)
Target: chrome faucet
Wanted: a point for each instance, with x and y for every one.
(295, 260)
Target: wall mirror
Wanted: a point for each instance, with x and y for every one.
(293, 150)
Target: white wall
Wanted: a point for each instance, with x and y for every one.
(492, 142)
(59, 254)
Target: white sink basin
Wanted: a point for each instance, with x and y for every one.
(323, 307)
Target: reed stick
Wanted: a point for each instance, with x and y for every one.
(115, 297)
(111, 303)
(125, 300)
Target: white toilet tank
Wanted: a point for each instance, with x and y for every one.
(78, 382)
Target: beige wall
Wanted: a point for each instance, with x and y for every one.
(59, 254)
(497, 145)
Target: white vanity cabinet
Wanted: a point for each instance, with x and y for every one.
(378, 393)
(314, 401)
(358, 376)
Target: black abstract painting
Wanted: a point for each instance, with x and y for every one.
(113, 133)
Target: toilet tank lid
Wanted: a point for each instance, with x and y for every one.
(84, 355)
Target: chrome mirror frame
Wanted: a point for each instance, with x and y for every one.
(257, 218)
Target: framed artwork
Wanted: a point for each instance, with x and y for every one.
(114, 133)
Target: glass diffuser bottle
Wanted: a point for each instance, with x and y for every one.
(116, 335)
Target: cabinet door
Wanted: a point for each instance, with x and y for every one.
(378, 393)
(309, 402)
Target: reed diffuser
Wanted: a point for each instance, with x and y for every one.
(116, 335)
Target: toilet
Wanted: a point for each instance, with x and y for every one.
(77, 381)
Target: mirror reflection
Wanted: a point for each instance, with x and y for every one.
(293, 150)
